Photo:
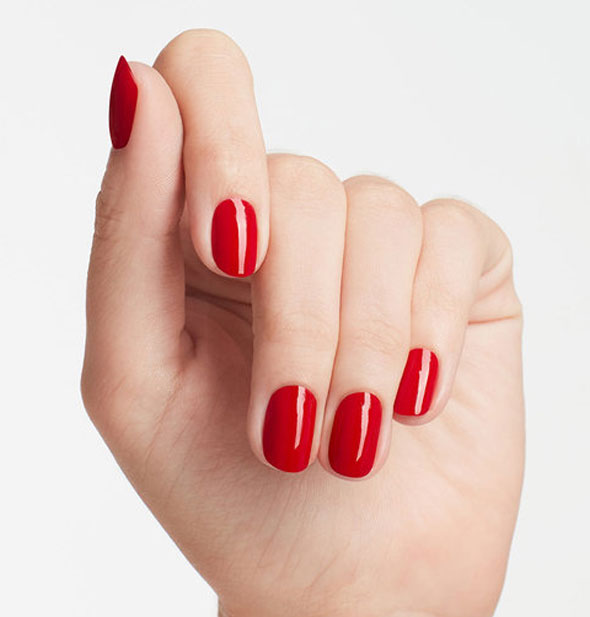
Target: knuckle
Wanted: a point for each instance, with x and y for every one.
(303, 175)
(230, 154)
(202, 40)
(119, 210)
(375, 187)
(459, 218)
(378, 335)
(300, 328)
(109, 212)
(453, 212)
(373, 194)
(202, 45)
(108, 216)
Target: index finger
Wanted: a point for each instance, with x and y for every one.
(224, 154)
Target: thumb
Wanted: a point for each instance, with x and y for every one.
(135, 294)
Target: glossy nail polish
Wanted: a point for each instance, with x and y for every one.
(416, 387)
(122, 105)
(355, 433)
(288, 428)
(234, 237)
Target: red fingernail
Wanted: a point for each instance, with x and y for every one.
(355, 433)
(234, 237)
(288, 428)
(122, 105)
(416, 387)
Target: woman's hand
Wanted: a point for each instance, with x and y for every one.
(277, 326)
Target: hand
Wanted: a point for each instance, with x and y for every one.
(354, 277)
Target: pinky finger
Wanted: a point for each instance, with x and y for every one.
(464, 256)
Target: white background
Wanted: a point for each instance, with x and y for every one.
(489, 101)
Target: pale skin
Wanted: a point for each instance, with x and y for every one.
(350, 275)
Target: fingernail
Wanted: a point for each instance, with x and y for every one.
(288, 428)
(416, 387)
(355, 433)
(122, 105)
(234, 237)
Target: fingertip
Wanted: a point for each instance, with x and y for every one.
(143, 113)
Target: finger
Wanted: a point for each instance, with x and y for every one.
(295, 303)
(383, 239)
(135, 295)
(224, 153)
(464, 256)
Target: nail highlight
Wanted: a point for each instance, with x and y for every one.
(234, 237)
(416, 387)
(288, 428)
(355, 433)
(122, 104)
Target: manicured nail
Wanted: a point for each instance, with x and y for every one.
(234, 237)
(122, 105)
(355, 433)
(288, 428)
(416, 387)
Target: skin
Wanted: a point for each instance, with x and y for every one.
(357, 275)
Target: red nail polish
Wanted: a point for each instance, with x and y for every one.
(288, 428)
(234, 237)
(416, 387)
(122, 105)
(355, 433)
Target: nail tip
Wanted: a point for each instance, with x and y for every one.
(287, 469)
(122, 104)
